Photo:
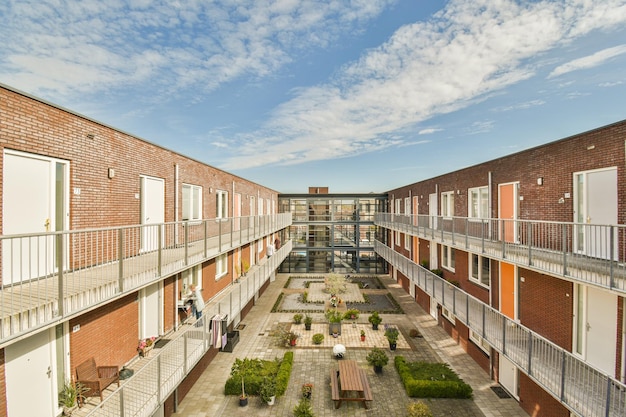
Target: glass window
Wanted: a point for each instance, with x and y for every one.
(480, 270)
(478, 201)
(221, 209)
(480, 342)
(192, 202)
(448, 315)
(447, 257)
(221, 266)
(447, 204)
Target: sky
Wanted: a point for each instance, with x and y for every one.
(356, 95)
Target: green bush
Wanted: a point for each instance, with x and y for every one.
(418, 409)
(256, 370)
(317, 338)
(431, 380)
(303, 409)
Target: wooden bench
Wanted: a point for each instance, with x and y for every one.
(96, 378)
(337, 396)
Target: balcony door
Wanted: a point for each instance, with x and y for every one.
(595, 206)
(152, 211)
(432, 216)
(35, 200)
(150, 311)
(508, 203)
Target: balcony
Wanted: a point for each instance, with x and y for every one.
(100, 265)
(584, 390)
(585, 253)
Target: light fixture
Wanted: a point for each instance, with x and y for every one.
(540, 181)
(111, 173)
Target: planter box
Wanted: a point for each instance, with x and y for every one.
(232, 338)
(334, 328)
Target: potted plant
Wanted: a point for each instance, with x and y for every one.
(377, 358)
(303, 409)
(307, 390)
(392, 334)
(242, 367)
(375, 319)
(145, 346)
(292, 337)
(334, 321)
(245, 266)
(70, 396)
(318, 338)
(308, 320)
(362, 335)
(297, 318)
(268, 390)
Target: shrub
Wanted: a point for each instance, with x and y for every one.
(317, 338)
(254, 373)
(303, 409)
(431, 380)
(418, 409)
(377, 357)
(351, 314)
(297, 318)
(284, 373)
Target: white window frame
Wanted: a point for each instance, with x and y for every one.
(191, 276)
(480, 342)
(407, 241)
(448, 258)
(478, 277)
(192, 202)
(221, 204)
(407, 206)
(447, 204)
(221, 266)
(447, 314)
(478, 202)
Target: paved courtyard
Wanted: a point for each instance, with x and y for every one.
(312, 364)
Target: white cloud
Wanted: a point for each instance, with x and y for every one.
(590, 61)
(467, 51)
(429, 131)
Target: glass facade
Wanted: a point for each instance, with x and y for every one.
(332, 232)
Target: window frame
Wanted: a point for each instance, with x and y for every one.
(192, 202)
(479, 279)
(447, 204)
(221, 266)
(482, 204)
(448, 258)
(480, 342)
(448, 315)
(221, 204)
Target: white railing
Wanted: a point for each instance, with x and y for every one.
(584, 390)
(99, 265)
(588, 253)
(143, 393)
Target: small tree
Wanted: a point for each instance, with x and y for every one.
(335, 284)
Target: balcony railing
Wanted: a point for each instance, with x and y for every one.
(50, 277)
(581, 388)
(587, 253)
(143, 393)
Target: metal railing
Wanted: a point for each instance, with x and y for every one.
(588, 253)
(143, 393)
(100, 265)
(581, 388)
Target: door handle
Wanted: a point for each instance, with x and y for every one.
(588, 327)
(49, 372)
(588, 219)
(47, 224)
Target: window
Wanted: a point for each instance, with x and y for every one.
(192, 276)
(447, 204)
(479, 341)
(192, 202)
(480, 268)
(448, 315)
(407, 241)
(260, 208)
(407, 206)
(221, 266)
(221, 201)
(447, 257)
(478, 201)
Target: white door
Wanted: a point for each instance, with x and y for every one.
(432, 213)
(150, 311)
(596, 333)
(508, 375)
(595, 206)
(30, 380)
(34, 201)
(152, 211)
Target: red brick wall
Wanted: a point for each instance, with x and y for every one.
(546, 306)
(538, 403)
(423, 299)
(110, 333)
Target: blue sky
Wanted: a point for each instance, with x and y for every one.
(360, 96)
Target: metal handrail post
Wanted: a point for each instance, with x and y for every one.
(60, 269)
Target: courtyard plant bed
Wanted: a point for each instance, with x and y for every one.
(431, 380)
(254, 371)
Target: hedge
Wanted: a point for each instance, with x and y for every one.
(426, 388)
(253, 381)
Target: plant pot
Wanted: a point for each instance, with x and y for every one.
(307, 326)
(292, 342)
(362, 338)
(243, 401)
(378, 369)
(334, 328)
(307, 395)
(272, 400)
(374, 326)
(67, 411)
(392, 346)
